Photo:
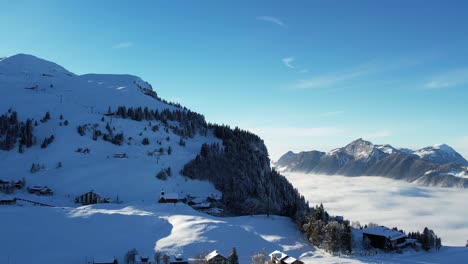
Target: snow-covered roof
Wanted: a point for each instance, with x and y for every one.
(278, 255)
(213, 254)
(384, 231)
(214, 210)
(141, 258)
(289, 260)
(170, 196)
(40, 188)
(202, 205)
(103, 260)
(198, 200)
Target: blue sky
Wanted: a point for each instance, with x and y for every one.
(303, 74)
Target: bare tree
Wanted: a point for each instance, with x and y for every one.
(259, 258)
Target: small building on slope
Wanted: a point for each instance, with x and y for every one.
(168, 197)
(215, 258)
(90, 198)
(384, 238)
(105, 260)
(40, 190)
(278, 257)
(8, 201)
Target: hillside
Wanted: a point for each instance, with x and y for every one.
(432, 166)
(113, 134)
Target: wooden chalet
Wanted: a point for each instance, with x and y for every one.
(40, 190)
(168, 197)
(213, 198)
(90, 198)
(178, 259)
(4, 185)
(196, 200)
(278, 257)
(8, 201)
(105, 261)
(215, 258)
(384, 238)
(139, 259)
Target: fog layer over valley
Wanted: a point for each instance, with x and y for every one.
(389, 202)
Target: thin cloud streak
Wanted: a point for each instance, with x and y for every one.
(273, 20)
(334, 78)
(362, 70)
(288, 62)
(332, 113)
(297, 131)
(122, 45)
(448, 79)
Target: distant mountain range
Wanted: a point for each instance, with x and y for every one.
(439, 165)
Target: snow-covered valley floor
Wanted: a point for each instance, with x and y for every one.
(389, 202)
(33, 234)
(36, 234)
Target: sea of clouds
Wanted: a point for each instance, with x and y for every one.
(390, 202)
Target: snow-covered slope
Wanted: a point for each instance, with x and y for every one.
(76, 234)
(441, 154)
(32, 86)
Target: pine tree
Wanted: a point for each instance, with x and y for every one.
(157, 255)
(166, 259)
(233, 258)
(20, 148)
(44, 143)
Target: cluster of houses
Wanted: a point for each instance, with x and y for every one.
(11, 186)
(275, 257)
(206, 205)
(139, 259)
(385, 238)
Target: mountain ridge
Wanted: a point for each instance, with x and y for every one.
(439, 165)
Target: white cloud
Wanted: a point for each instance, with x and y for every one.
(389, 202)
(304, 71)
(288, 62)
(448, 79)
(122, 45)
(273, 20)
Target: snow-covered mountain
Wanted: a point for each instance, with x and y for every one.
(439, 165)
(441, 154)
(113, 135)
